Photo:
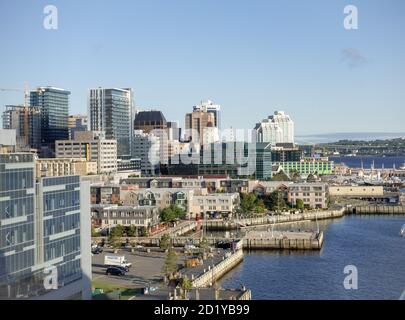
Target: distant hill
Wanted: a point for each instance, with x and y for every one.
(333, 137)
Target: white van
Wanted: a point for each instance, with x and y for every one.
(120, 261)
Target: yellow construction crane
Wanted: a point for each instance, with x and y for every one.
(25, 90)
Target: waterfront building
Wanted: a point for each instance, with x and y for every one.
(356, 191)
(147, 147)
(44, 233)
(262, 188)
(54, 167)
(277, 128)
(314, 195)
(216, 204)
(53, 104)
(77, 122)
(111, 111)
(92, 146)
(143, 218)
(26, 121)
(162, 197)
(306, 167)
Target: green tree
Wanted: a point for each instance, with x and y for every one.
(115, 234)
(277, 201)
(299, 204)
(186, 285)
(131, 231)
(248, 202)
(143, 232)
(94, 233)
(165, 242)
(172, 213)
(170, 265)
(295, 175)
(280, 176)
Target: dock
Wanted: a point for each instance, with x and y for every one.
(257, 240)
(377, 209)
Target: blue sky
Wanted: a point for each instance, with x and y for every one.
(252, 57)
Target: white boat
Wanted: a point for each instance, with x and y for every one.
(402, 167)
(402, 232)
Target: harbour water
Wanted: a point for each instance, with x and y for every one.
(379, 162)
(371, 243)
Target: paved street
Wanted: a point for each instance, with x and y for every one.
(146, 267)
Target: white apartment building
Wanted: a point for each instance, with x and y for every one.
(278, 128)
(223, 204)
(92, 146)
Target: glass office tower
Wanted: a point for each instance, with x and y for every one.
(44, 233)
(53, 104)
(111, 111)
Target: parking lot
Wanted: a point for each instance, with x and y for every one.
(146, 268)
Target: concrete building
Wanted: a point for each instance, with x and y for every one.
(44, 233)
(214, 204)
(142, 217)
(26, 121)
(356, 191)
(92, 146)
(77, 122)
(209, 106)
(133, 164)
(55, 167)
(147, 147)
(195, 124)
(314, 195)
(278, 128)
(53, 103)
(7, 140)
(111, 111)
(285, 152)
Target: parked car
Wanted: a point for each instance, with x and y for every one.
(115, 271)
(124, 268)
(96, 250)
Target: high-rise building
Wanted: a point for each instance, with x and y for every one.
(209, 106)
(147, 148)
(44, 233)
(92, 146)
(196, 123)
(27, 123)
(149, 120)
(53, 103)
(278, 128)
(111, 111)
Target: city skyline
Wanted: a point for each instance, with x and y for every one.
(304, 62)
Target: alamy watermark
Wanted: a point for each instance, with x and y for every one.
(50, 21)
(351, 281)
(351, 20)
